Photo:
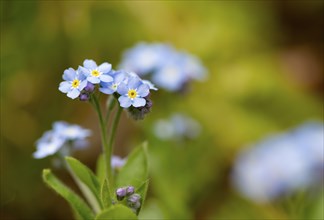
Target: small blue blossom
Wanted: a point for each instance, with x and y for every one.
(166, 67)
(48, 144)
(281, 164)
(132, 92)
(111, 87)
(96, 74)
(74, 83)
(70, 131)
(62, 137)
(178, 126)
(144, 58)
(117, 162)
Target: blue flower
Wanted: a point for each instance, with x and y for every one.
(168, 68)
(111, 87)
(96, 74)
(70, 132)
(133, 92)
(73, 84)
(178, 126)
(171, 77)
(48, 144)
(144, 58)
(281, 164)
(61, 138)
(117, 162)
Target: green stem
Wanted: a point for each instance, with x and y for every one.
(110, 106)
(113, 129)
(104, 139)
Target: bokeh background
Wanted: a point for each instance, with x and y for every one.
(265, 75)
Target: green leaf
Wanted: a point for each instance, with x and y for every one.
(105, 195)
(80, 208)
(117, 212)
(135, 171)
(142, 190)
(87, 182)
(100, 168)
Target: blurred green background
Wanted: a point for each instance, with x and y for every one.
(264, 60)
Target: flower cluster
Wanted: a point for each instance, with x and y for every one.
(128, 87)
(63, 137)
(165, 66)
(133, 200)
(178, 126)
(281, 164)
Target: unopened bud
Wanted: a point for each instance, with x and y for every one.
(130, 190)
(89, 87)
(84, 97)
(121, 193)
(133, 200)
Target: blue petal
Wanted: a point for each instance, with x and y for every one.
(64, 86)
(106, 90)
(69, 74)
(139, 102)
(84, 71)
(83, 84)
(90, 64)
(134, 82)
(73, 93)
(122, 89)
(105, 67)
(119, 77)
(93, 80)
(143, 90)
(106, 78)
(124, 101)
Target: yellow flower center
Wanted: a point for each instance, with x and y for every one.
(132, 93)
(75, 83)
(95, 73)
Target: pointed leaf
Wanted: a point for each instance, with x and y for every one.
(117, 212)
(142, 190)
(80, 208)
(135, 171)
(87, 182)
(105, 195)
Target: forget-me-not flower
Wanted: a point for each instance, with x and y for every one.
(166, 67)
(60, 138)
(111, 87)
(144, 58)
(117, 162)
(132, 92)
(96, 74)
(74, 83)
(178, 126)
(281, 164)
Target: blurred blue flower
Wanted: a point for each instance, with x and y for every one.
(144, 58)
(132, 92)
(96, 74)
(178, 126)
(111, 87)
(168, 68)
(281, 164)
(117, 162)
(74, 83)
(61, 138)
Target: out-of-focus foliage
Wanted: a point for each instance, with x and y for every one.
(265, 75)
